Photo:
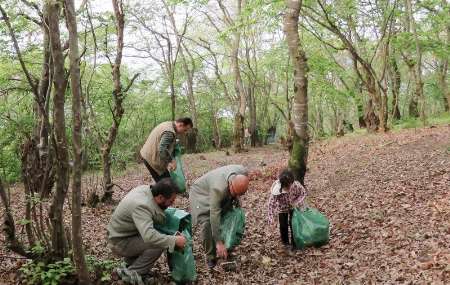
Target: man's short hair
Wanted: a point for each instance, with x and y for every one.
(165, 187)
(186, 121)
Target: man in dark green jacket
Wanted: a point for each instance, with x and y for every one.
(131, 232)
(212, 195)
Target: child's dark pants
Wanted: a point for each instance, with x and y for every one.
(285, 220)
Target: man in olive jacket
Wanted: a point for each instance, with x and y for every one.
(131, 232)
(212, 195)
(158, 150)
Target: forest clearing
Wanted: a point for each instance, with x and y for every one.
(387, 198)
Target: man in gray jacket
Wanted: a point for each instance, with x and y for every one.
(131, 232)
(212, 195)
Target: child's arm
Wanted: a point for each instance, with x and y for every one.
(271, 209)
(298, 194)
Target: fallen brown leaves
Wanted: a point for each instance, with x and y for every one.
(387, 197)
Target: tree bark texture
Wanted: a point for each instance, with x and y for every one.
(75, 81)
(299, 154)
(59, 242)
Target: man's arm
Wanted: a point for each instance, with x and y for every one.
(215, 212)
(167, 139)
(142, 218)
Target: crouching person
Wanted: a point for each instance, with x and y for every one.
(131, 233)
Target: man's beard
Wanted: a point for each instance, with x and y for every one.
(163, 207)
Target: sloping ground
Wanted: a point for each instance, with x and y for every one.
(387, 197)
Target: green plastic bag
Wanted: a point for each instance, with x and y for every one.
(232, 227)
(178, 174)
(310, 227)
(181, 262)
(176, 221)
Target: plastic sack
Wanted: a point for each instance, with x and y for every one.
(310, 227)
(181, 262)
(232, 227)
(176, 221)
(178, 174)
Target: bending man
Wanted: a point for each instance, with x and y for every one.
(211, 196)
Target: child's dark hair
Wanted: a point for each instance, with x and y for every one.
(286, 178)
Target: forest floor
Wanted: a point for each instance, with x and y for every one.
(387, 197)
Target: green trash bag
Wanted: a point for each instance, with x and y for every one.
(310, 227)
(178, 174)
(232, 227)
(176, 221)
(181, 262)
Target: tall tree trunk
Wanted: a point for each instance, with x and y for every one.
(215, 124)
(252, 109)
(371, 120)
(75, 81)
(9, 227)
(418, 63)
(444, 85)
(43, 95)
(59, 242)
(299, 154)
(238, 140)
(395, 80)
(319, 119)
(191, 137)
(444, 64)
(413, 109)
(173, 99)
(189, 70)
(118, 97)
(216, 132)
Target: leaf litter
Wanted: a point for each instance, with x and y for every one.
(387, 197)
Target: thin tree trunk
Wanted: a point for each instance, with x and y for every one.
(215, 124)
(444, 85)
(395, 77)
(189, 71)
(299, 154)
(59, 242)
(418, 63)
(44, 85)
(172, 94)
(77, 238)
(9, 228)
(118, 97)
(27, 151)
(191, 137)
(444, 64)
(413, 109)
(238, 140)
(252, 109)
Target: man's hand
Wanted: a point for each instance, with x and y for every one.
(172, 165)
(221, 250)
(180, 241)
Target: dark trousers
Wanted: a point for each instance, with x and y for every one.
(285, 220)
(155, 174)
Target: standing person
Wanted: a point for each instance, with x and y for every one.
(210, 197)
(285, 195)
(158, 150)
(131, 232)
